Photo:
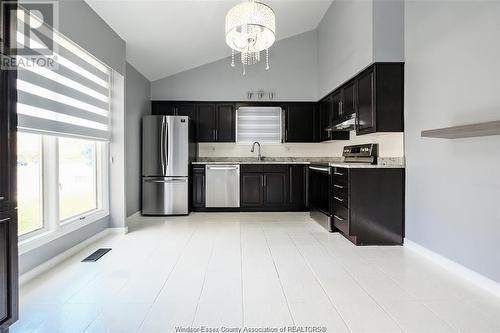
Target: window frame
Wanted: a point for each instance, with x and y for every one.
(43, 229)
(278, 142)
(53, 226)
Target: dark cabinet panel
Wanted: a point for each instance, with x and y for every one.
(226, 123)
(366, 103)
(8, 269)
(251, 190)
(297, 187)
(336, 105)
(205, 127)
(325, 117)
(198, 187)
(186, 110)
(300, 122)
(165, 108)
(8, 138)
(348, 99)
(380, 105)
(275, 189)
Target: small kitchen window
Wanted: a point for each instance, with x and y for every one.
(263, 124)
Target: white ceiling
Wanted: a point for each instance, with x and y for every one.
(165, 37)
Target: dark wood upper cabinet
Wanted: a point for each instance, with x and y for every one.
(226, 123)
(186, 110)
(336, 105)
(300, 122)
(348, 105)
(205, 127)
(165, 108)
(366, 103)
(380, 101)
(325, 118)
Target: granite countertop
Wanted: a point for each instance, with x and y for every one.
(383, 162)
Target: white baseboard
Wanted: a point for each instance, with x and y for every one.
(49, 264)
(118, 231)
(455, 268)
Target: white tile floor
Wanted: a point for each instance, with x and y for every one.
(254, 270)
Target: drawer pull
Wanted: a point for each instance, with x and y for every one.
(5, 220)
(338, 174)
(338, 218)
(338, 186)
(338, 199)
(2, 198)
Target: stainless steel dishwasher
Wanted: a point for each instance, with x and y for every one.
(222, 187)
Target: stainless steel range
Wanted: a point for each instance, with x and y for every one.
(321, 181)
(365, 153)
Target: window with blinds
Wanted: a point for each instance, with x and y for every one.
(70, 98)
(263, 124)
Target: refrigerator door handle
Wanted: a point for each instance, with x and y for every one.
(170, 180)
(162, 143)
(165, 146)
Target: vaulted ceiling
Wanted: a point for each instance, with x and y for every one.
(165, 37)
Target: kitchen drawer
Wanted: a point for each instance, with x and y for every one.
(340, 174)
(251, 168)
(340, 219)
(340, 198)
(281, 168)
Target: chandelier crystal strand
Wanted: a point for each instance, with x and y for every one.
(250, 29)
(267, 59)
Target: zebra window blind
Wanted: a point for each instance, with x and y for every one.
(261, 124)
(70, 98)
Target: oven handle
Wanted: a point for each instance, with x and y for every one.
(320, 169)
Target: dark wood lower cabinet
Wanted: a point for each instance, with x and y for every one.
(9, 289)
(251, 194)
(198, 187)
(368, 205)
(275, 189)
(263, 187)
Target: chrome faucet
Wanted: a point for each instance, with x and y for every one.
(259, 157)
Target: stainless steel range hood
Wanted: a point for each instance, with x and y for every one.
(346, 123)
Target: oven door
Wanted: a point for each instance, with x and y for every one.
(319, 195)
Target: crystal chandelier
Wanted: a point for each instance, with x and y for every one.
(250, 29)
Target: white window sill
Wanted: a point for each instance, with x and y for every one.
(48, 236)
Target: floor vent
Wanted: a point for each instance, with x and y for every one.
(96, 255)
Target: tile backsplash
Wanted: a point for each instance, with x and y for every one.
(390, 145)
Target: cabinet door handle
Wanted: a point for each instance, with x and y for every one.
(338, 218)
(5, 220)
(338, 199)
(338, 173)
(338, 186)
(2, 198)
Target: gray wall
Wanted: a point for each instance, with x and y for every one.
(452, 78)
(30, 260)
(137, 104)
(81, 24)
(354, 34)
(292, 76)
(345, 42)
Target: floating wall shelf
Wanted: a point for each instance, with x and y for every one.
(465, 131)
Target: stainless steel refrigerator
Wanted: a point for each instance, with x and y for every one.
(166, 153)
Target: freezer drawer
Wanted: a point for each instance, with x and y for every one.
(165, 196)
(222, 188)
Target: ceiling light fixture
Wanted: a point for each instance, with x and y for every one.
(250, 29)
